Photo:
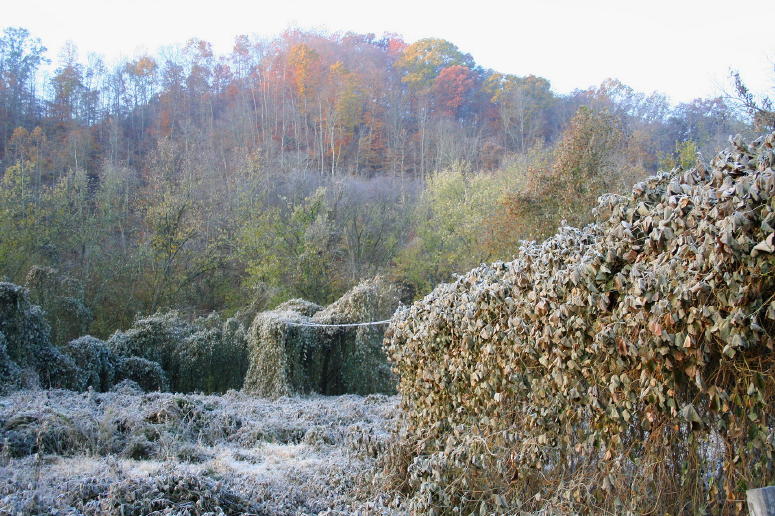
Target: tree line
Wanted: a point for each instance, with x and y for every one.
(299, 165)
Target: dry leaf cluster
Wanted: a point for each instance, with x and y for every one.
(625, 366)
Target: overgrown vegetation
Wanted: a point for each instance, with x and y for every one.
(295, 350)
(625, 366)
(166, 203)
(27, 352)
(204, 355)
(168, 352)
(29, 358)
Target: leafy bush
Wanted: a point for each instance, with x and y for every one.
(58, 371)
(448, 226)
(206, 355)
(27, 343)
(155, 338)
(359, 363)
(9, 371)
(626, 366)
(300, 306)
(23, 324)
(213, 358)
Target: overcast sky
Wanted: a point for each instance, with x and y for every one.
(683, 48)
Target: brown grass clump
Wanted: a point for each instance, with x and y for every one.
(626, 366)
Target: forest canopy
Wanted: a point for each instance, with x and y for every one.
(301, 165)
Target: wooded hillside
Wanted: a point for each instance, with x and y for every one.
(297, 166)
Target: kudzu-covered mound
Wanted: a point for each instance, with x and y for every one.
(10, 374)
(96, 361)
(25, 339)
(23, 324)
(206, 354)
(626, 366)
(213, 358)
(61, 297)
(357, 353)
(300, 306)
(289, 355)
(148, 374)
(154, 337)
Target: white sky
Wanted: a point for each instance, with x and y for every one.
(683, 48)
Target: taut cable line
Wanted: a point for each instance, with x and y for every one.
(372, 323)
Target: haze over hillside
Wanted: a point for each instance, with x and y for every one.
(682, 49)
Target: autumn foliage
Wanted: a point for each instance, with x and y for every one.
(299, 166)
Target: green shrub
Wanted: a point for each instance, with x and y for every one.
(206, 355)
(155, 337)
(359, 362)
(300, 306)
(27, 339)
(61, 297)
(213, 358)
(9, 371)
(23, 324)
(58, 371)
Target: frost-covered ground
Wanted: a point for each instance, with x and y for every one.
(131, 453)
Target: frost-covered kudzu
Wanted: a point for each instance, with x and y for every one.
(61, 297)
(148, 374)
(10, 373)
(29, 358)
(96, 361)
(213, 358)
(287, 357)
(207, 355)
(27, 341)
(625, 366)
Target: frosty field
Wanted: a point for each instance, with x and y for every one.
(130, 453)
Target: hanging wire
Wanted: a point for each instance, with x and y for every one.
(373, 323)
